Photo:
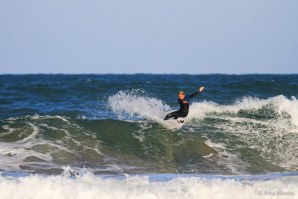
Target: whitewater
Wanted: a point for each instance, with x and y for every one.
(86, 185)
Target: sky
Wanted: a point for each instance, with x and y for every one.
(149, 36)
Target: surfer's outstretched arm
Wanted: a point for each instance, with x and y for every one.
(197, 92)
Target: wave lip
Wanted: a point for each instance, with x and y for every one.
(133, 103)
(279, 105)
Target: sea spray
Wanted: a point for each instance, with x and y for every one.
(132, 104)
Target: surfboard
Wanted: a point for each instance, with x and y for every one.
(174, 124)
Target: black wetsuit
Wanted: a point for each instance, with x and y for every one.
(184, 107)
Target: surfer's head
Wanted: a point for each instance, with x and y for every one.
(181, 94)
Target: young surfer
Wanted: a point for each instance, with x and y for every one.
(183, 101)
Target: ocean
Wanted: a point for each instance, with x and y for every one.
(103, 136)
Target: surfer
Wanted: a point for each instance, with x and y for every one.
(183, 101)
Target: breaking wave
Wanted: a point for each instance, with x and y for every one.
(266, 128)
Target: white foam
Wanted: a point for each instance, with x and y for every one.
(131, 103)
(276, 138)
(90, 186)
(280, 103)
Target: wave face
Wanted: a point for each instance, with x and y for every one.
(113, 124)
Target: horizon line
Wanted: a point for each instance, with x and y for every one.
(148, 73)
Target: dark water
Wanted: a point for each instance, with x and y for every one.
(244, 124)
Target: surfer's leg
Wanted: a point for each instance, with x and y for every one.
(174, 114)
(182, 114)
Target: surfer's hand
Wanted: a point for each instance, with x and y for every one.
(201, 88)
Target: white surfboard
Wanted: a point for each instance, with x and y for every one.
(174, 124)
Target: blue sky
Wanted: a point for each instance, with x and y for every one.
(149, 36)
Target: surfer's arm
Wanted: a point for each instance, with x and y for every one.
(197, 92)
(194, 94)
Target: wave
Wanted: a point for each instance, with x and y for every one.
(267, 128)
(43, 144)
(135, 104)
(159, 186)
(247, 137)
(250, 128)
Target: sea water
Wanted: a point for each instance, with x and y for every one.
(102, 136)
